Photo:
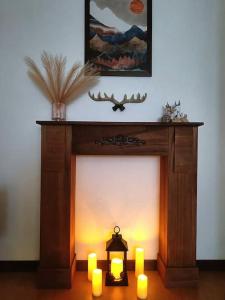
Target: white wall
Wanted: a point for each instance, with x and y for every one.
(188, 64)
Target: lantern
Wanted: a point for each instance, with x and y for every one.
(116, 274)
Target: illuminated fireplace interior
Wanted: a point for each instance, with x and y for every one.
(175, 145)
(124, 191)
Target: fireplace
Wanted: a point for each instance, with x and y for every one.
(175, 143)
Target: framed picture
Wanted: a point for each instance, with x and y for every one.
(118, 36)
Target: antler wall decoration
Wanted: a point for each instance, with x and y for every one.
(117, 104)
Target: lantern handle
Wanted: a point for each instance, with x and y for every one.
(116, 230)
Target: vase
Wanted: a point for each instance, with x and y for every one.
(58, 111)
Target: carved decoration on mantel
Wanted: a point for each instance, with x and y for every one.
(120, 140)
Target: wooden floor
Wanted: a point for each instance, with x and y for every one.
(22, 286)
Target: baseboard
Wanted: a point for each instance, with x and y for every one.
(211, 265)
(19, 266)
(150, 265)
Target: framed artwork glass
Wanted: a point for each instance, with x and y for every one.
(118, 36)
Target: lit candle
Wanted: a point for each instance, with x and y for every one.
(116, 267)
(92, 264)
(97, 282)
(142, 287)
(139, 261)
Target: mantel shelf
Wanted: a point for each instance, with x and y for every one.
(89, 123)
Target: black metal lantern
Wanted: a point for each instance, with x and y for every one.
(116, 274)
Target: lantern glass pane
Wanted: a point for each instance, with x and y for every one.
(116, 255)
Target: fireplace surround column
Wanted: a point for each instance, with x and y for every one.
(57, 240)
(175, 143)
(178, 205)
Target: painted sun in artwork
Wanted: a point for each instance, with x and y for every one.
(137, 6)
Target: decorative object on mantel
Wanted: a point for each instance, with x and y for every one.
(118, 105)
(116, 274)
(58, 88)
(172, 113)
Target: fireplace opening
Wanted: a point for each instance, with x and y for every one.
(117, 190)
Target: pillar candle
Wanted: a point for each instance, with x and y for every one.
(97, 282)
(92, 264)
(116, 267)
(142, 287)
(139, 261)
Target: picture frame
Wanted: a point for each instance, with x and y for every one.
(118, 37)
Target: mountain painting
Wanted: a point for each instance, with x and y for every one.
(118, 36)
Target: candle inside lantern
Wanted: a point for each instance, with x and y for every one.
(92, 264)
(116, 267)
(142, 287)
(139, 261)
(97, 282)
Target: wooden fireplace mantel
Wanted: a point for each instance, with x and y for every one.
(91, 123)
(175, 143)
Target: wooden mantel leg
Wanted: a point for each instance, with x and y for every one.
(178, 197)
(57, 253)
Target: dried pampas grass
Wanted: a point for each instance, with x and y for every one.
(55, 85)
